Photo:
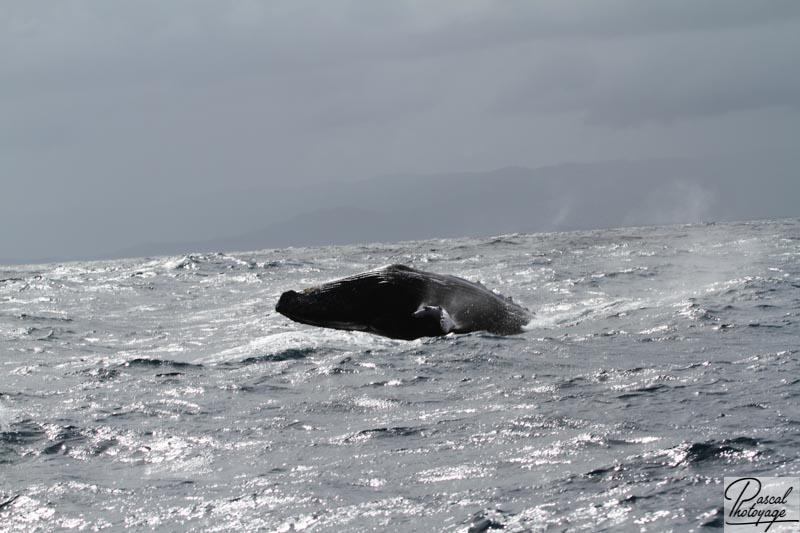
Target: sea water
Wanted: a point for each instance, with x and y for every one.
(167, 394)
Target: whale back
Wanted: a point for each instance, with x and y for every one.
(471, 306)
(385, 301)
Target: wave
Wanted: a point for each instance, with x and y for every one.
(221, 261)
(382, 433)
(145, 363)
(43, 318)
(63, 441)
(695, 453)
(22, 433)
(288, 354)
(646, 390)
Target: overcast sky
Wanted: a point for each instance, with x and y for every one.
(113, 113)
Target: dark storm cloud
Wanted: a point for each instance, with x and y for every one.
(124, 120)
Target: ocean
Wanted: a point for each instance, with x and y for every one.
(166, 393)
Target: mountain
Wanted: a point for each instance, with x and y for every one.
(513, 199)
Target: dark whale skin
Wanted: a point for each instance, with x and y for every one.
(401, 302)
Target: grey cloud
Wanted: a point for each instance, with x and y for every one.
(680, 76)
(139, 115)
(179, 41)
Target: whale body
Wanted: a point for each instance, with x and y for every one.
(401, 302)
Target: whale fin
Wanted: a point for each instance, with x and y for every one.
(435, 319)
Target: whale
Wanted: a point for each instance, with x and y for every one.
(401, 302)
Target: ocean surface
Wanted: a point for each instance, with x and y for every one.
(167, 394)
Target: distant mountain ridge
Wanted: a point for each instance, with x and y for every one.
(508, 200)
(511, 199)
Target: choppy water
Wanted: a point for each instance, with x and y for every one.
(167, 394)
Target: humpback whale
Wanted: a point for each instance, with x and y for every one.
(401, 302)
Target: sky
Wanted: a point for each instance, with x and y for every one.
(125, 122)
